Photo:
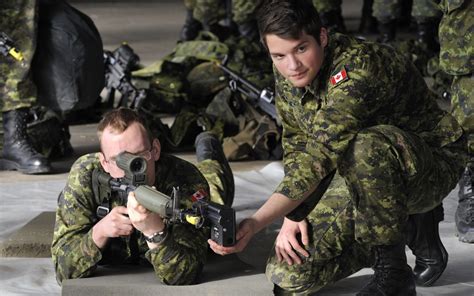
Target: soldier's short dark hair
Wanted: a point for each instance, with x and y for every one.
(119, 120)
(288, 19)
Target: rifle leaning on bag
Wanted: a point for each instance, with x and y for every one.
(7, 48)
(221, 219)
(118, 76)
(262, 99)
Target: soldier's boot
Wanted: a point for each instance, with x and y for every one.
(465, 212)
(208, 146)
(18, 153)
(392, 274)
(425, 243)
(427, 32)
(368, 23)
(387, 31)
(191, 27)
(333, 20)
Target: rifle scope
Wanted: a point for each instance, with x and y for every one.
(134, 167)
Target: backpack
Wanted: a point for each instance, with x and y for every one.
(68, 66)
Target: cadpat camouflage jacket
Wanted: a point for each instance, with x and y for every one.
(456, 37)
(360, 84)
(177, 261)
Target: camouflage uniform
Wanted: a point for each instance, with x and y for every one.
(177, 261)
(323, 6)
(211, 11)
(387, 10)
(457, 59)
(395, 152)
(18, 19)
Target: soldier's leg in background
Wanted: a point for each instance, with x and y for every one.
(427, 16)
(191, 26)
(215, 168)
(368, 23)
(209, 13)
(387, 12)
(462, 101)
(331, 14)
(243, 14)
(18, 19)
(393, 174)
(334, 254)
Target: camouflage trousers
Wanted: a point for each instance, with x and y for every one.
(386, 10)
(212, 11)
(386, 175)
(18, 19)
(219, 182)
(462, 105)
(323, 6)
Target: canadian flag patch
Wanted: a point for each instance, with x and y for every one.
(339, 77)
(198, 195)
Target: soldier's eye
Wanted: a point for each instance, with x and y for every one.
(277, 57)
(301, 49)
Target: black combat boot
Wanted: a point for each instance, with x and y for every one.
(18, 153)
(208, 146)
(392, 277)
(333, 20)
(190, 28)
(368, 23)
(387, 31)
(427, 33)
(425, 243)
(465, 212)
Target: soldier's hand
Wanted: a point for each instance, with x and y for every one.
(142, 219)
(114, 224)
(287, 246)
(245, 232)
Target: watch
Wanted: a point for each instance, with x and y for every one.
(157, 237)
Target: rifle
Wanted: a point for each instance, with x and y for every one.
(118, 69)
(7, 47)
(262, 99)
(220, 218)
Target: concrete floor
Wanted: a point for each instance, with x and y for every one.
(152, 28)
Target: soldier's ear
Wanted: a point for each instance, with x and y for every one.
(103, 162)
(323, 37)
(156, 152)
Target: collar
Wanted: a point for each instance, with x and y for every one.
(320, 80)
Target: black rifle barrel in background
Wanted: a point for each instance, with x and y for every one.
(118, 76)
(263, 99)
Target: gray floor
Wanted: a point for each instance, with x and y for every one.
(151, 28)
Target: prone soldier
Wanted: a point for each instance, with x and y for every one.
(130, 233)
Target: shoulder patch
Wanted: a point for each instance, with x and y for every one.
(198, 195)
(339, 77)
